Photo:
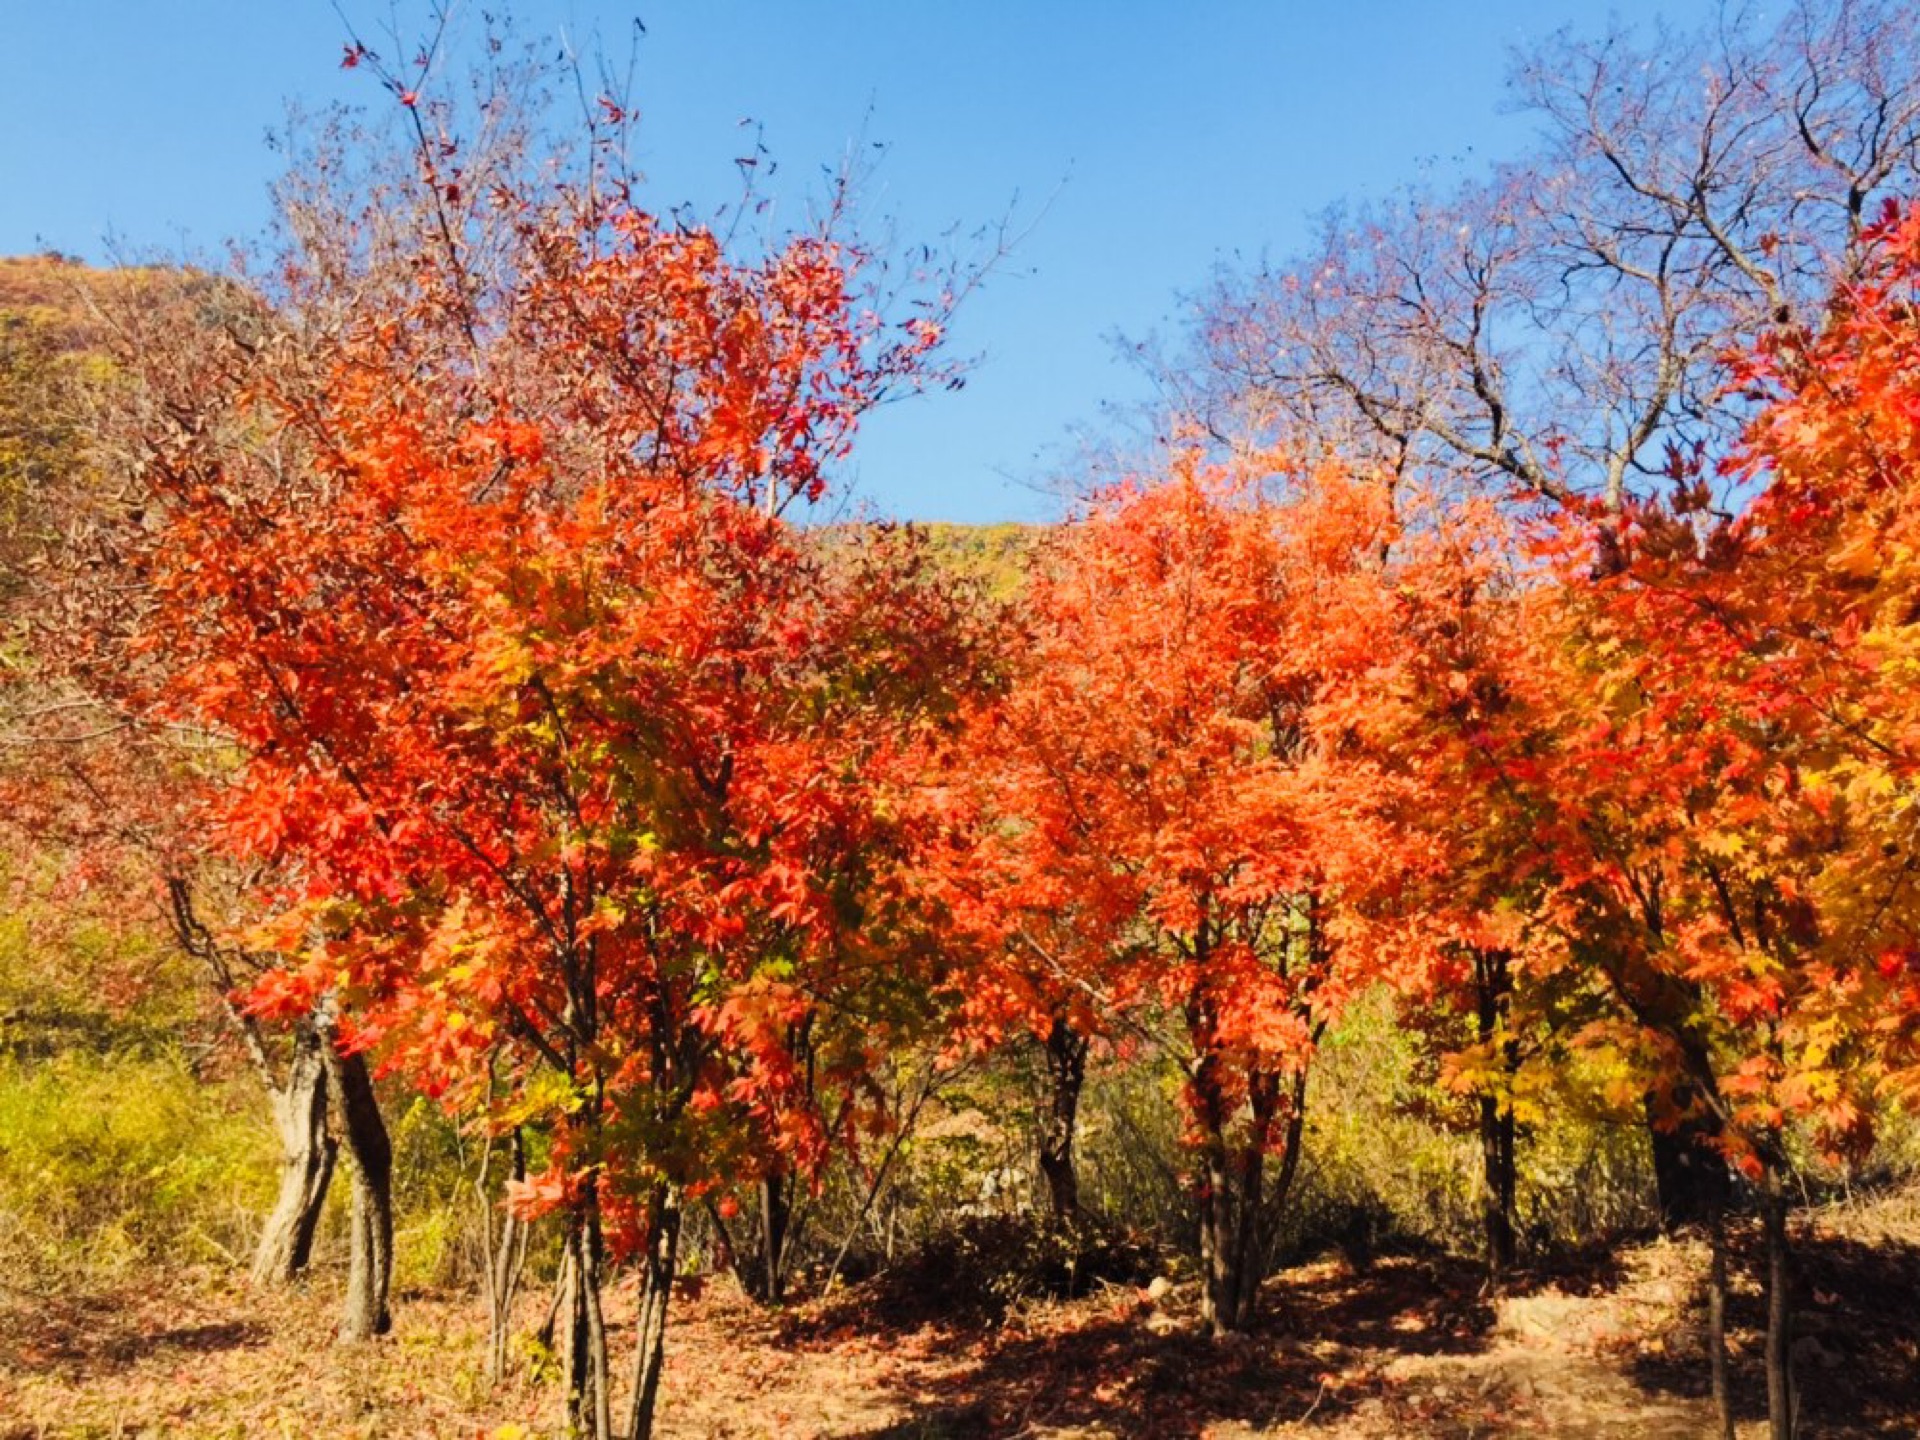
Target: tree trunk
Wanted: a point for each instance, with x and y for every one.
(589, 1406)
(547, 1334)
(1717, 1324)
(1274, 1207)
(370, 1255)
(1220, 1293)
(573, 1343)
(1782, 1406)
(307, 1149)
(776, 1211)
(656, 1290)
(1496, 1204)
(1228, 1232)
(1230, 1204)
(1493, 989)
(1689, 1173)
(506, 1258)
(1066, 1073)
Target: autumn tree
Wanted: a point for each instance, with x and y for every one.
(1792, 735)
(1725, 833)
(90, 775)
(1554, 327)
(1028, 893)
(1464, 918)
(81, 716)
(1554, 330)
(573, 755)
(1169, 770)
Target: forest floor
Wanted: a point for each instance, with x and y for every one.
(1604, 1346)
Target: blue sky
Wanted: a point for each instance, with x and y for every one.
(1144, 142)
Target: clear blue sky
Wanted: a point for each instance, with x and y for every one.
(1159, 138)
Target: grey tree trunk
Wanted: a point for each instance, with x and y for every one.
(299, 1098)
(589, 1409)
(574, 1343)
(506, 1258)
(370, 1252)
(656, 1290)
(307, 1150)
(776, 1216)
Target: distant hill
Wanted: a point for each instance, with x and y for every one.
(996, 554)
(54, 298)
(51, 344)
(49, 355)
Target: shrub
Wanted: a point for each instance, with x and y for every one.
(981, 1266)
(111, 1160)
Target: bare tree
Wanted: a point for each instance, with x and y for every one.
(1556, 327)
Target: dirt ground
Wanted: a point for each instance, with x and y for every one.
(1608, 1346)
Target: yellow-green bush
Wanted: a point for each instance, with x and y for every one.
(111, 1160)
(437, 1231)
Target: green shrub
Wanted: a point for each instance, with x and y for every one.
(437, 1234)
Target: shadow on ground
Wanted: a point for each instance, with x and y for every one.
(1314, 1354)
(94, 1335)
(1856, 1334)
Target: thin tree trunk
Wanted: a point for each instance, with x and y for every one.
(506, 1256)
(307, 1155)
(1066, 1074)
(776, 1210)
(548, 1335)
(588, 1407)
(597, 1329)
(1250, 1199)
(370, 1255)
(1782, 1409)
(1274, 1207)
(576, 1366)
(1246, 1227)
(1497, 1198)
(1717, 1323)
(1493, 988)
(656, 1291)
